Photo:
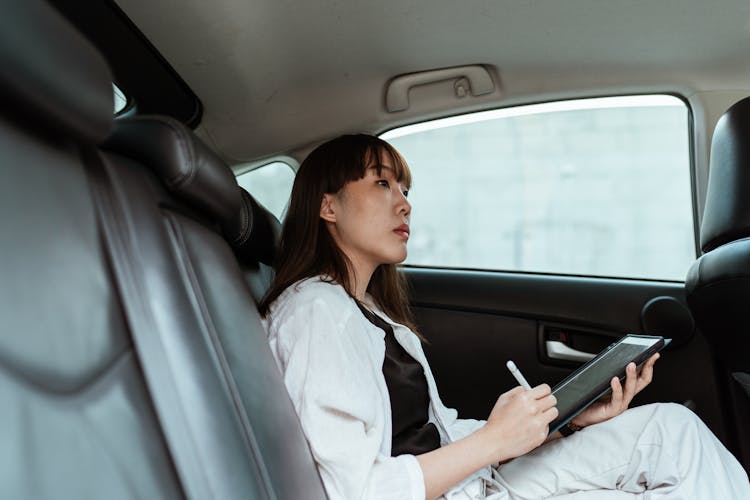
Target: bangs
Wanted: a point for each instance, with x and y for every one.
(347, 158)
(400, 168)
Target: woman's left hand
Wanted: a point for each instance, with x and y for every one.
(621, 397)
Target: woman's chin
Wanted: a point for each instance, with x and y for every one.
(393, 258)
(400, 258)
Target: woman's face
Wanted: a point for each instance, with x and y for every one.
(369, 217)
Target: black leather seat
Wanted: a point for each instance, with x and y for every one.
(79, 416)
(718, 283)
(176, 154)
(189, 237)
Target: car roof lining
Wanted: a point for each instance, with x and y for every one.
(276, 76)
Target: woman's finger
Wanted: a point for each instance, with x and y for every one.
(550, 414)
(508, 396)
(631, 379)
(516, 390)
(547, 402)
(540, 391)
(616, 401)
(647, 373)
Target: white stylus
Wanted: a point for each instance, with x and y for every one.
(517, 375)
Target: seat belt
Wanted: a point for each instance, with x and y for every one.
(160, 380)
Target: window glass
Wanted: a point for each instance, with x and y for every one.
(120, 100)
(270, 185)
(596, 187)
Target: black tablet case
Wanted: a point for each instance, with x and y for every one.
(601, 387)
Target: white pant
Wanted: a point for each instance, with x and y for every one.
(656, 451)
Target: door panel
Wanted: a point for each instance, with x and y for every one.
(475, 321)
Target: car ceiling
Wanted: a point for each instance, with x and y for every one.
(275, 76)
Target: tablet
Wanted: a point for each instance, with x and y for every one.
(591, 381)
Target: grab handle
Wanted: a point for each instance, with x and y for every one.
(475, 77)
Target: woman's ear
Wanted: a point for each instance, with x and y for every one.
(327, 212)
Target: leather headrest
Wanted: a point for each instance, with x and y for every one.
(194, 173)
(51, 75)
(259, 232)
(726, 216)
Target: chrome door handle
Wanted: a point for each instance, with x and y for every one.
(558, 350)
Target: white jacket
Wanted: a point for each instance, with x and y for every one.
(331, 358)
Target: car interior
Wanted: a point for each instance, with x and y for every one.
(133, 359)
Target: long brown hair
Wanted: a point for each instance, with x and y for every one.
(307, 248)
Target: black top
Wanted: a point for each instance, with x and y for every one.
(410, 399)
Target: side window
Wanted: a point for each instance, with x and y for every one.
(270, 185)
(121, 101)
(597, 187)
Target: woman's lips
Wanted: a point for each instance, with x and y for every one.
(403, 231)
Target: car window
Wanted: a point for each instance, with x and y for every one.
(121, 101)
(270, 185)
(597, 187)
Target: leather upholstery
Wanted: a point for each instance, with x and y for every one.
(78, 419)
(249, 438)
(718, 284)
(718, 289)
(257, 236)
(51, 75)
(195, 174)
(187, 167)
(54, 239)
(726, 216)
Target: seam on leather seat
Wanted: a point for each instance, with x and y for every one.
(720, 282)
(189, 150)
(99, 376)
(246, 215)
(184, 264)
(185, 146)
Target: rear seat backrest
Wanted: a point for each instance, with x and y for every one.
(209, 304)
(77, 419)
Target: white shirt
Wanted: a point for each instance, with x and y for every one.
(331, 358)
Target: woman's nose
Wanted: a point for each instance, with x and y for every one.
(403, 204)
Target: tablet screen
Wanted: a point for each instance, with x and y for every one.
(580, 387)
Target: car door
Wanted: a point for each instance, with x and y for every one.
(542, 233)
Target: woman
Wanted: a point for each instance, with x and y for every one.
(341, 332)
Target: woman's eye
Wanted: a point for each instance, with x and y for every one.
(406, 193)
(383, 183)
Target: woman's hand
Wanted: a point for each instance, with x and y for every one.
(519, 421)
(621, 398)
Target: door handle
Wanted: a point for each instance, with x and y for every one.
(558, 350)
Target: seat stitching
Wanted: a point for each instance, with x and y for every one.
(186, 146)
(245, 215)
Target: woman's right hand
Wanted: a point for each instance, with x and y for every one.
(519, 421)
